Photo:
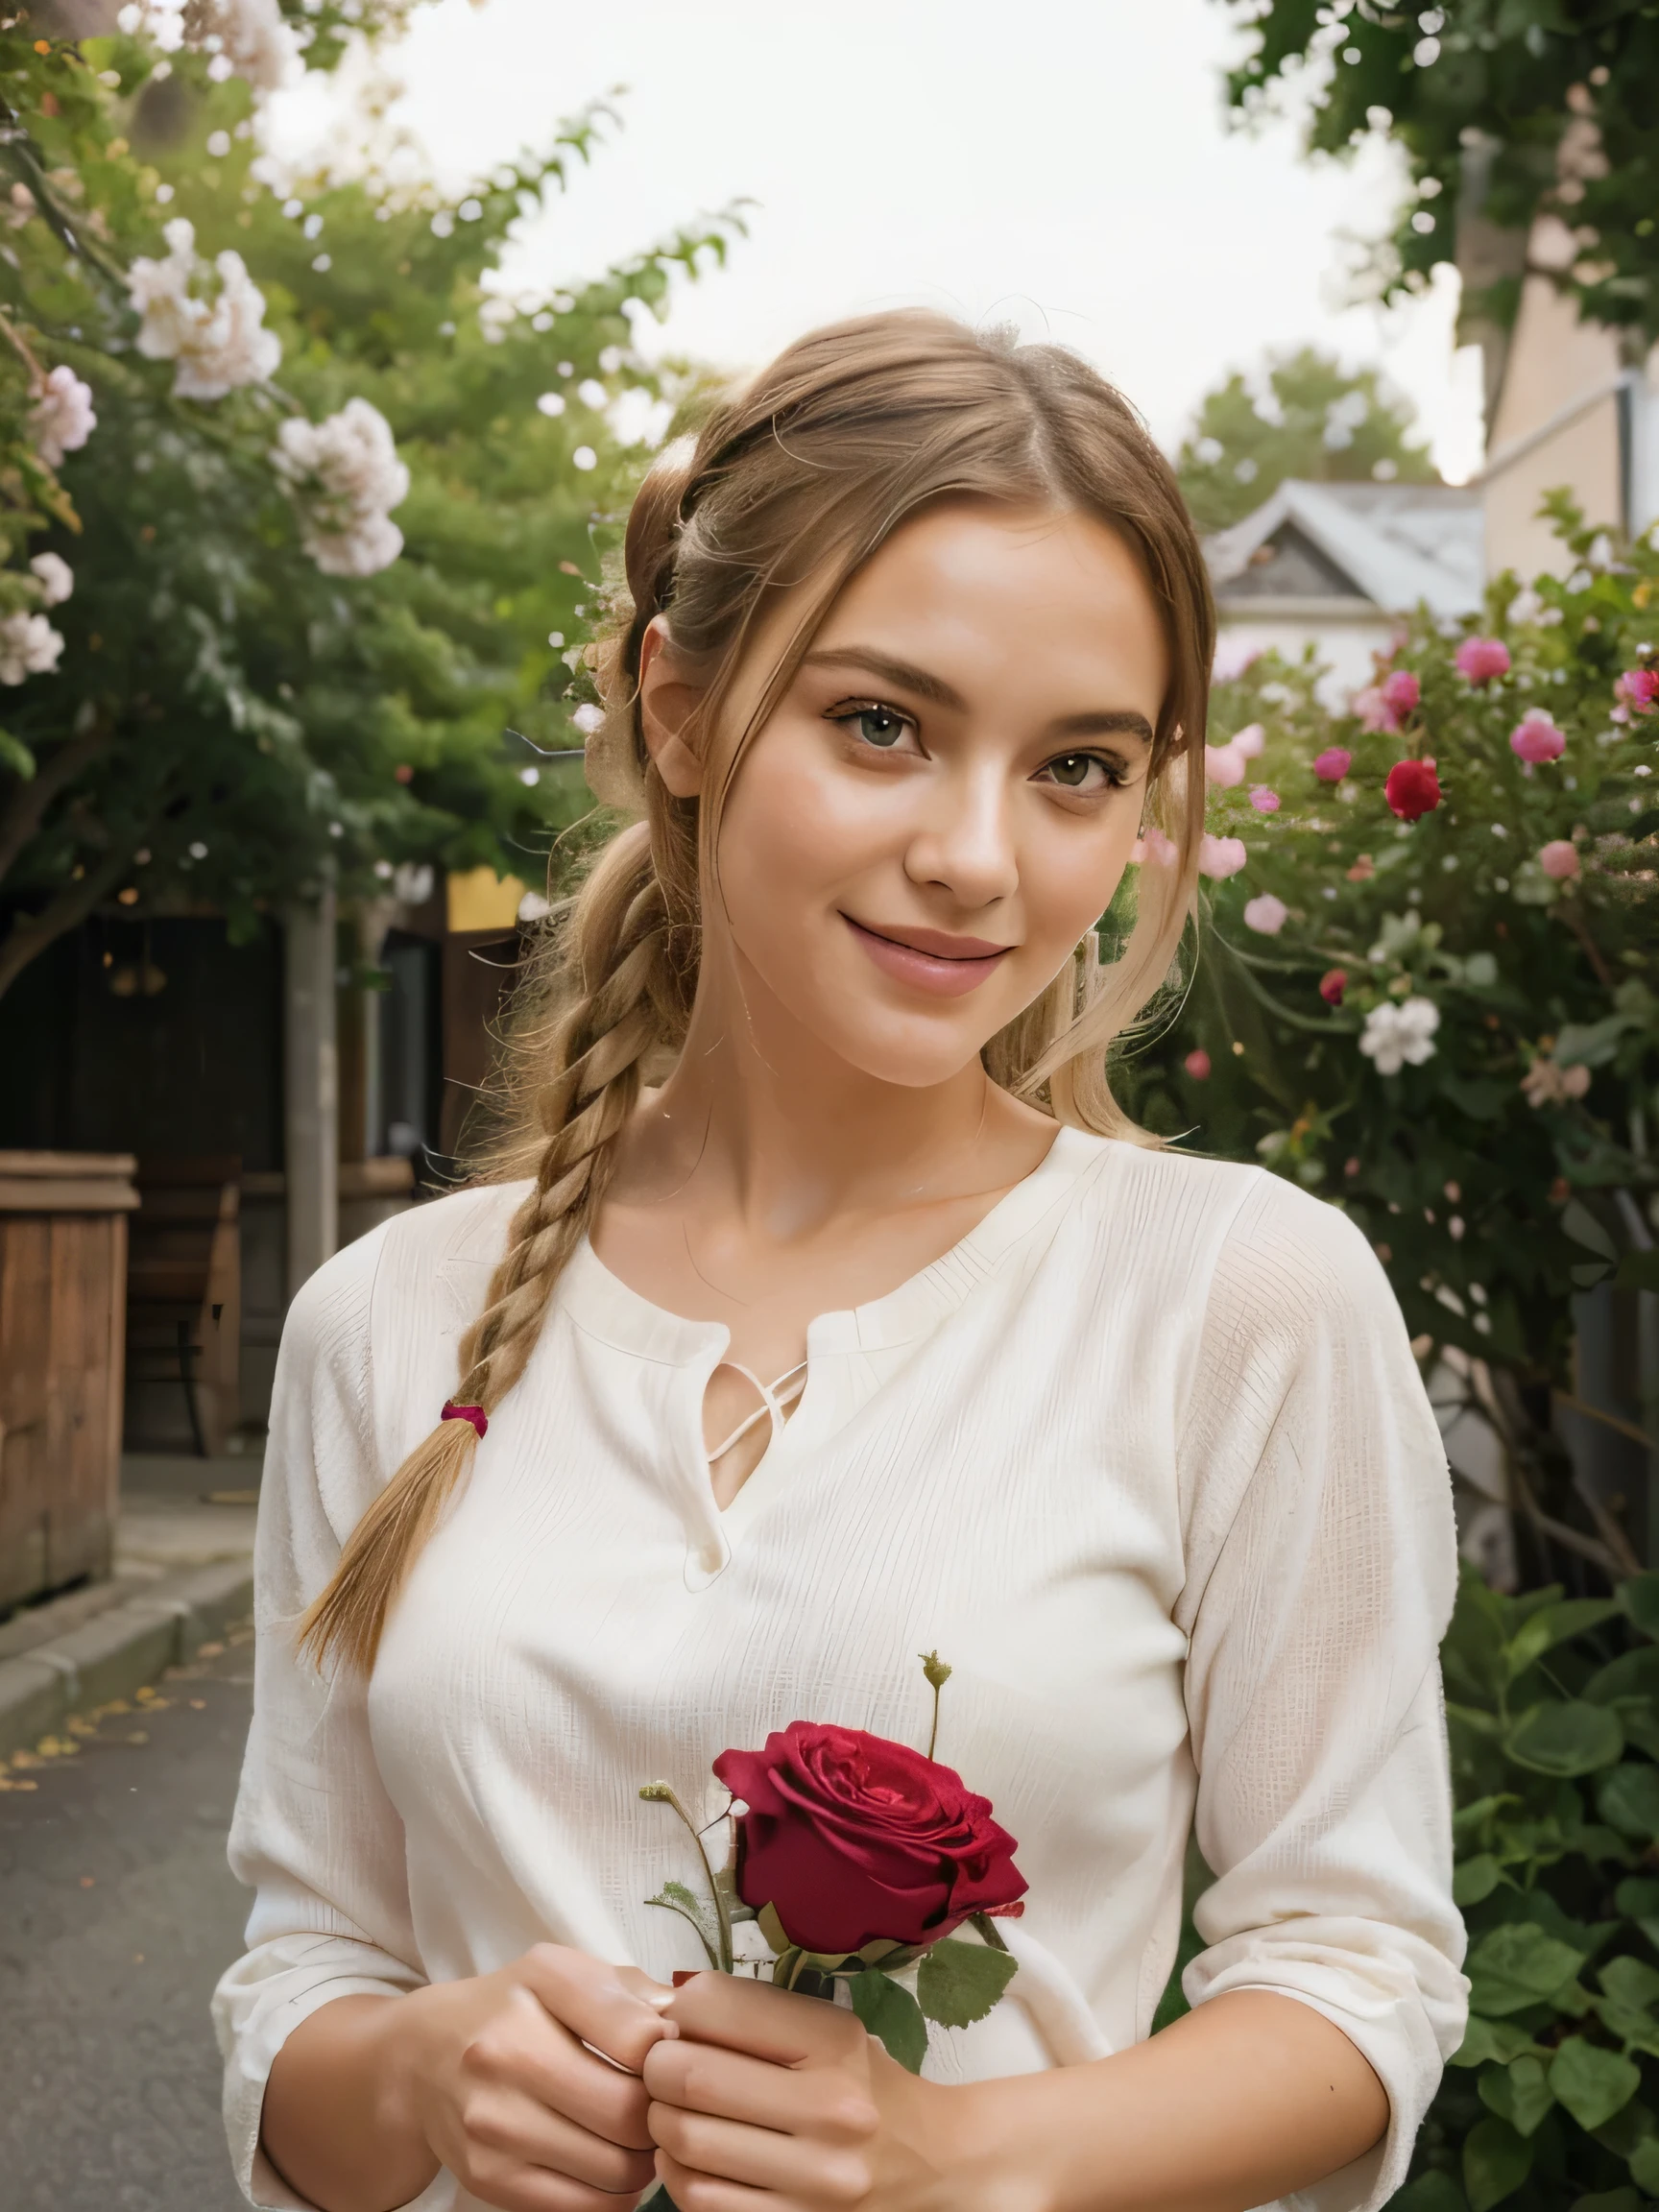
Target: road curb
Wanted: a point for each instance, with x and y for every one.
(118, 1652)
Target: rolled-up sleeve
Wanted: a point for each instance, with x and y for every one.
(314, 1834)
(1322, 1568)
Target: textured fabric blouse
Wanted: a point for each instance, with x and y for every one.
(1145, 1457)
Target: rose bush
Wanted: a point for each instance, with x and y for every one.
(851, 1840)
(1453, 1031)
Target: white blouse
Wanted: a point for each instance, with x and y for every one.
(1145, 1457)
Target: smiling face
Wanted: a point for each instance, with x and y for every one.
(945, 799)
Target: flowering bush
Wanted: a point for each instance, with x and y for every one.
(1454, 1030)
(257, 682)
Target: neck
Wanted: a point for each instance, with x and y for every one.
(771, 1123)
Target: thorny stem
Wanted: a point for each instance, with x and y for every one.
(662, 1794)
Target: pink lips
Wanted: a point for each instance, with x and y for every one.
(929, 959)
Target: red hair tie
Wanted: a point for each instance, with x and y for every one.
(473, 1413)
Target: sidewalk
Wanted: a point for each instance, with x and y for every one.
(183, 1572)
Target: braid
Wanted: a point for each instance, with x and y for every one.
(617, 956)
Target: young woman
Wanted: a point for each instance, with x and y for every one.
(827, 1310)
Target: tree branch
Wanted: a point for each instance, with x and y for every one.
(27, 806)
(31, 933)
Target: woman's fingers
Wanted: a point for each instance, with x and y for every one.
(694, 2192)
(504, 2124)
(768, 2023)
(730, 2085)
(615, 2008)
(760, 2159)
(526, 2052)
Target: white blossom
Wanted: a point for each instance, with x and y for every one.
(62, 418)
(1401, 1036)
(587, 718)
(218, 342)
(250, 38)
(29, 646)
(345, 477)
(57, 578)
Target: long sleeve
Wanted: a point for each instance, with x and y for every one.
(1322, 1567)
(313, 1833)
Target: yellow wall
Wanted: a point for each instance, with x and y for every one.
(481, 899)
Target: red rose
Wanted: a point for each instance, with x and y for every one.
(1412, 788)
(852, 1839)
(1333, 984)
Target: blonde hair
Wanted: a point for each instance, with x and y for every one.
(791, 485)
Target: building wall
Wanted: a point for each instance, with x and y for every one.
(1347, 646)
(1555, 360)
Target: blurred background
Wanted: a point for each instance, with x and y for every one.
(334, 336)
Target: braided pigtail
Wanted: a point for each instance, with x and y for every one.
(623, 996)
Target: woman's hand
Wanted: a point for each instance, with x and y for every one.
(498, 2078)
(766, 2090)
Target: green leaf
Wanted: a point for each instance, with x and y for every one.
(1609, 2200)
(1519, 2092)
(892, 2016)
(1628, 1799)
(1495, 2161)
(15, 758)
(1592, 2083)
(772, 1928)
(1638, 1271)
(1566, 1736)
(1632, 1981)
(1645, 2166)
(1554, 1626)
(1517, 1965)
(1475, 1879)
(1489, 2039)
(675, 1897)
(1431, 2191)
(958, 1984)
(1632, 1674)
(1639, 1898)
(1640, 1598)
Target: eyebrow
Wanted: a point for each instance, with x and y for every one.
(1091, 722)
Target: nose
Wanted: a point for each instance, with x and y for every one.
(966, 844)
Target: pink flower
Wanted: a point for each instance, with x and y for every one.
(1219, 857)
(1332, 985)
(1374, 711)
(1482, 658)
(1267, 915)
(1231, 658)
(1197, 1065)
(1412, 790)
(1264, 801)
(1638, 687)
(1223, 764)
(1332, 764)
(1154, 845)
(1535, 737)
(1249, 741)
(1559, 858)
(1400, 691)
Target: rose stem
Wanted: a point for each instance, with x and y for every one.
(662, 1794)
(938, 1675)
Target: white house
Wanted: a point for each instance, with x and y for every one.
(1334, 565)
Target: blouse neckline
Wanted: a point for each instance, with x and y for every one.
(603, 1305)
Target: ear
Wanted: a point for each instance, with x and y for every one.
(667, 701)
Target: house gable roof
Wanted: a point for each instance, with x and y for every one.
(1392, 544)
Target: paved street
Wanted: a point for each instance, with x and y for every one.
(116, 1914)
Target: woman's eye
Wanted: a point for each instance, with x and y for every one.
(877, 726)
(1080, 772)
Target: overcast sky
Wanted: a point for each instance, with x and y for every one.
(1065, 164)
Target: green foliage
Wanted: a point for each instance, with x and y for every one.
(227, 723)
(1482, 94)
(1512, 1165)
(1312, 420)
(892, 2015)
(1552, 2100)
(958, 1984)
